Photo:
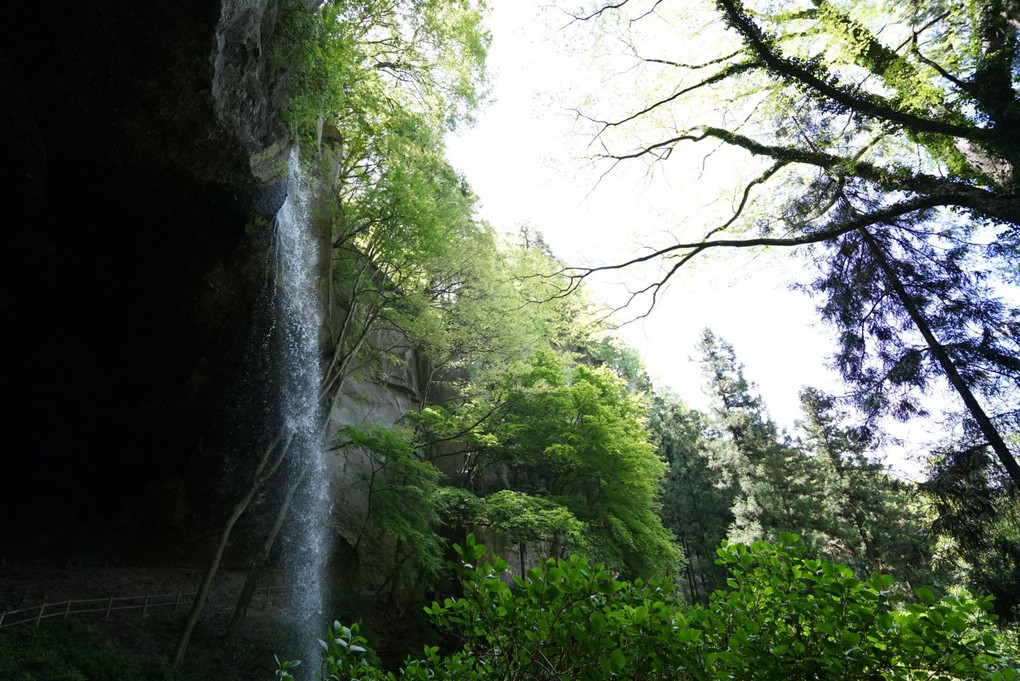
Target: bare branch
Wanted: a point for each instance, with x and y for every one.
(685, 252)
(691, 67)
(575, 18)
(731, 70)
(916, 50)
(949, 192)
(599, 12)
(456, 436)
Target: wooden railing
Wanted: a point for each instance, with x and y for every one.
(64, 609)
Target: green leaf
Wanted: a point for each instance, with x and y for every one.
(789, 538)
(849, 639)
(925, 595)
(617, 660)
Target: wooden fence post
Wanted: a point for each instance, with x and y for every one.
(67, 610)
(39, 617)
(109, 607)
(178, 601)
(145, 608)
(2, 616)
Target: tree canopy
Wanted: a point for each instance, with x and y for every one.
(883, 140)
(557, 430)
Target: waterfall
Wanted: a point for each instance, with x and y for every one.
(299, 318)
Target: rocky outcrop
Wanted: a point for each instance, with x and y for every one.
(374, 396)
(141, 146)
(248, 92)
(145, 157)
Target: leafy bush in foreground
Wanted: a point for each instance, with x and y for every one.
(782, 617)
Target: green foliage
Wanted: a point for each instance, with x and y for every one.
(788, 617)
(978, 518)
(284, 667)
(624, 361)
(876, 521)
(572, 435)
(733, 468)
(780, 617)
(466, 305)
(696, 499)
(345, 655)
(402, 499)
(507, 304)
(777, 487)
(354, 57)
(457, 507)
(526, 520)
(402, 244)
(67, 651)
(568, 618)
(374, 85)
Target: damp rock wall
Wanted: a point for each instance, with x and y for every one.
(145, 157)
(137, 183)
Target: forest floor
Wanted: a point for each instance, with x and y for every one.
(154, 636)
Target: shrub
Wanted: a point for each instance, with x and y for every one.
(781, 617)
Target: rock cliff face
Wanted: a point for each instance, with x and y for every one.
(381, 396)
(128, 271)
(143, 158)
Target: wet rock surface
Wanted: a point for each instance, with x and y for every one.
(133, 246)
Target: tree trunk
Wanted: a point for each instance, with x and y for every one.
(689, 568)
(261, 475)
(251, 580)
(938, 351)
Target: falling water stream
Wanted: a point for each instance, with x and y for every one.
(299, 318)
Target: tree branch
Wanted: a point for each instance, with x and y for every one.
(730, 70)
(685, 252)
(944, 191)
(807, 74)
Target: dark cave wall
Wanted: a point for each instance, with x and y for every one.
(135, 229)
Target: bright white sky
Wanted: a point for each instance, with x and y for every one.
(528, 164)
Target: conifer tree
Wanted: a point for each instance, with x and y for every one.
(778, 487)
(977, 515)
(696, 500)
(877, 522)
